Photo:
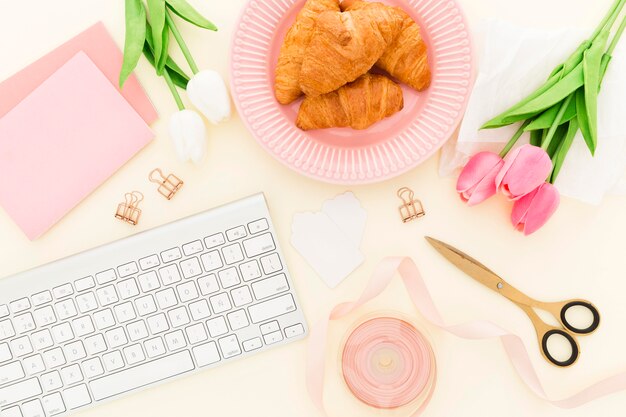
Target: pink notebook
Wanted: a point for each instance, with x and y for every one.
(62, 141)
(100, 47)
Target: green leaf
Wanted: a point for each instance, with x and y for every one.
(592, 69)
(156, 9)
(545, 119)
(165, 42)
(564, 147)
(535, 137)
(183, 9)
(583, 121)
(178, 76)
(557, 139)
(135, 36)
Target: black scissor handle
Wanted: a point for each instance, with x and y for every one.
(574, 348)
(594, 311)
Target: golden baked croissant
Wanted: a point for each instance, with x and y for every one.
(287, 75)
(345, 46)
(359, 104)
(406, 58)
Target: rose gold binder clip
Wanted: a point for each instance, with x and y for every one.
(128, 210)
(168, 186)
(411, 208)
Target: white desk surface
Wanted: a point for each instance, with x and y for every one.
(578, 254)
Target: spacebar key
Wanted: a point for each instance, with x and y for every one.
(141, 375)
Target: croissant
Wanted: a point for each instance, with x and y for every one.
(359, 104)
(287, 75)
(345, 46)
(406, 58)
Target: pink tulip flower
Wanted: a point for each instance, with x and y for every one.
(477, 181)
(533, 210)
(525, 169)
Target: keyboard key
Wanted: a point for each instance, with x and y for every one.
(199, 310)
(211, 261)
(4, 310)
(5, 352)
(71, 374)
(66, 309)
(105, 277)
(229, 277)
(84, 284)
(41, 340)
(134, 354)
(62, 291)
(237, 320)
(154, 347)
(45, 316)
(137, 330)
(113, 361)
(252, 344)
(128, 288)
(149, 281)
(270, 327)
(12, 412)
(169, 274)
(149, 262)
(11, 372)
(272, 308)
(20, 305)
(214, 241)
(62, 332)
(166, 298)
(232, 254)
(268, 287)
(6, 329)
(24, 323)
(250, 270)
(271, 263)
(187, 291)
(192, 248)
(54, 357)
(75, 351)
(124, 312)
(196, 333)
(104, 319)
(20, 391)
(259, 245)
(127, 269)
(32, 408)
(41, 298)
(241, 296)
(95, 344)
(76, 397)
(179, 316)
(272, 338)
(117, 337)
(208, 285)
(258, 226)
(51, 381)
(53, 404)
(217, 326)
(158, 324)
(236, 233)
(107, 295)
(34, 364)
(206, 354)
(229, 346)
(86, 302)
(175, 340)
(191, 267)
(171, 255)
(146, 305)
(83, 326)
(220, 303)
(144, 374)
(92, 368)
(21, 346)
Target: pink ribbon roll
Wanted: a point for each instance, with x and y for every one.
(387, 363)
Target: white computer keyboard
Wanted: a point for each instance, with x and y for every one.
(177, 299)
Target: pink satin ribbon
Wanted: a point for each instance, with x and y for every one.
(387, 363)
(422, 300)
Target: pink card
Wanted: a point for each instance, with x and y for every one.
(62, 141)
(100, 47)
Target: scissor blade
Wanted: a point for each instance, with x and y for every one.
(467, 264)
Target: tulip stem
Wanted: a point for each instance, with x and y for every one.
(610, 18)
(557, 122)
(181, 42)
(616, 38)
(170, 84)
(514, 139)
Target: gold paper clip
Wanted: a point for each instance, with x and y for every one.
(411, 208)
(168, 186)
(128, 211)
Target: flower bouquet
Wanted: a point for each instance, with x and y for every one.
(553, 114)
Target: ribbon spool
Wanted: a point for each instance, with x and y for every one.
(388, 364)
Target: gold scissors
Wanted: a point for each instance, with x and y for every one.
(485, 276)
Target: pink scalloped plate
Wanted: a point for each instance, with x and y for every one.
(343, 155)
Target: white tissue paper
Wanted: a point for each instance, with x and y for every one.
(513, 63)
(329, 240)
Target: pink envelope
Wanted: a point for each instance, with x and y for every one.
(62, 141)
(100, 47)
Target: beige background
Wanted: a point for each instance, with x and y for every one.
(578, 254)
